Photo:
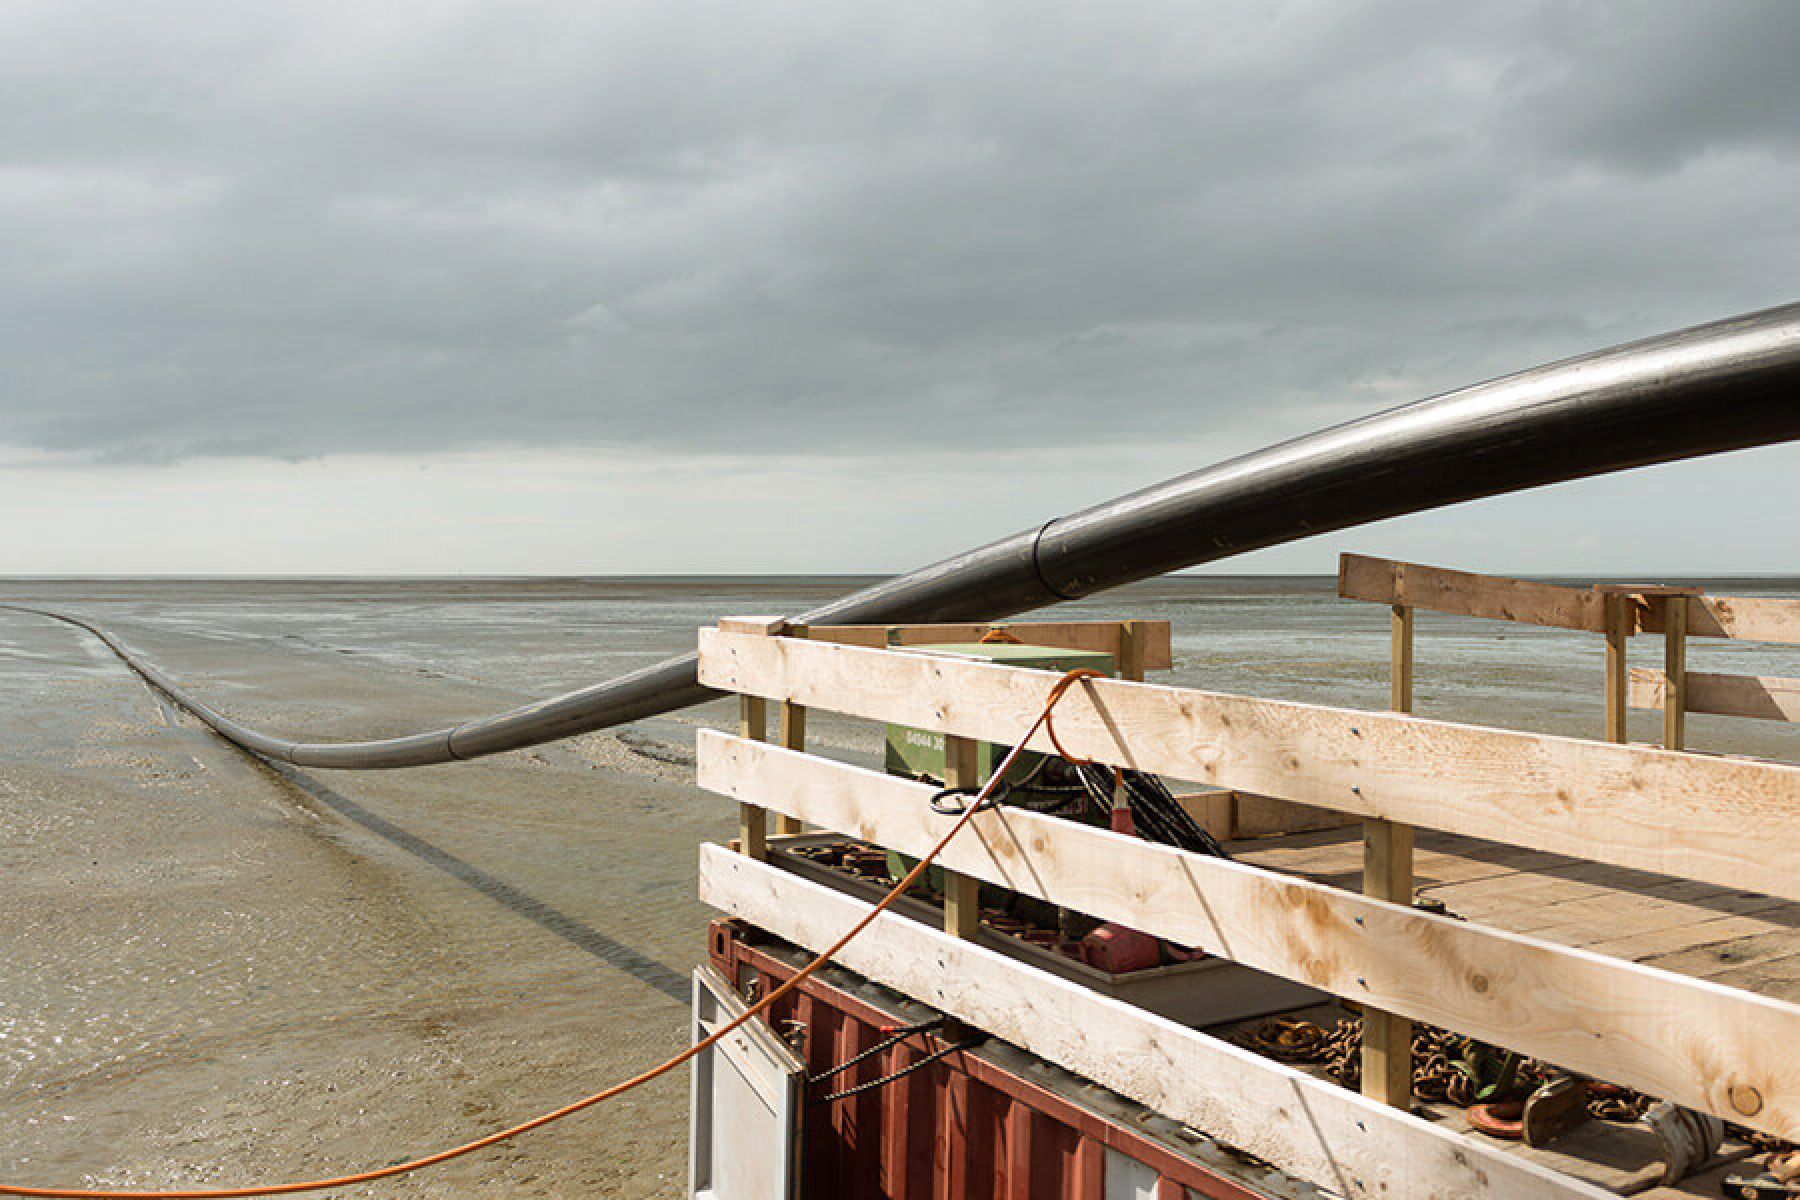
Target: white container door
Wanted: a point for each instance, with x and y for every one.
(745, 1103)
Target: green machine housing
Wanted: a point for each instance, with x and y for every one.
(919, 754)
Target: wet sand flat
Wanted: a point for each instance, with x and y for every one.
(217, 972)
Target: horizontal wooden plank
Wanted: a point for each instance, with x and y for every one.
(1748, 618)
(1682, 1039)
(1647, 687)
(1227, 814)
(1100, 636)
(1496, 597)
(1648, 591)
(1767, 697)
(1262, 816)
(1308, 1127)
(757, 624)
(1725, 821)
(1464, 593)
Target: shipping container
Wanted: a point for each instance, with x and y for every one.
(985, 1121)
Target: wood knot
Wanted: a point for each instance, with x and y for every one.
(1746, 1099)
(1479, 984)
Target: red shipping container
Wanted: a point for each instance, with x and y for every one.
(985, 1122)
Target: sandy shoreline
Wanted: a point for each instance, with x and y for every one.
(221, 972)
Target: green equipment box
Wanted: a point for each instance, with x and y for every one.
(918, 754)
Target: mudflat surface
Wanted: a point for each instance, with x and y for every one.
(215, 972)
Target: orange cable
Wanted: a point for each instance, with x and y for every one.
(1118, 773)
(1050, 726)
(1062, 685)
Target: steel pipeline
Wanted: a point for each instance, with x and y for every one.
(1723, 386)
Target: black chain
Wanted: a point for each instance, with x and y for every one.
(903, 1072)
(895, 1037)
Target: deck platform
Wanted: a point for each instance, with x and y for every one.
(1736, 938)
(1739, 939)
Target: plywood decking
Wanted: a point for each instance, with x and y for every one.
(1739, 939)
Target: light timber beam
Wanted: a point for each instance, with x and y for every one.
(1674, 611)
(1464, 593)
(753, 723)
(1148, 641)
(1619, 621)
(753, 822)
(1766, 697)
(1724, 821)
(1388, 875)
(1698, 1043)
(962, 895)
(793, 736)
(1746, 618)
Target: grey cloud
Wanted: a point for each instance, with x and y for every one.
(296, 231)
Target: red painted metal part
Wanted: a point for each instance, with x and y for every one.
(965, 1127)
(1117, 950)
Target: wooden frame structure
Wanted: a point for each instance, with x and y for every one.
(1620, 612)
(1679, 691)
(1616, 611)
(1698, 1043)
(1135, 646)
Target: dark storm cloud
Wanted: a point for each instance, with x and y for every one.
(298, 231)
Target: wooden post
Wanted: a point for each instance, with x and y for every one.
(753, 821)
(1131, 652)
(753, 723)
(1388, 875)
(1400, 655)
(1620, 621)
(962, 894)
(793, 736)
(1675, 612)
(1620, 617)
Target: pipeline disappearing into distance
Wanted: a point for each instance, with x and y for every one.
(1724, 386)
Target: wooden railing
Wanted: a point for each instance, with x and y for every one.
(1679, 691)
(1759, 696)
(1733, 822)
(1136, 646)
(1619, 611)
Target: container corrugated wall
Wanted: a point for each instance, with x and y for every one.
(990, 1124)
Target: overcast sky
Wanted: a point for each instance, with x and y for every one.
(610, 288)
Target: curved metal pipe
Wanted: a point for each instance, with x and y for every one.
(1723, 386)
